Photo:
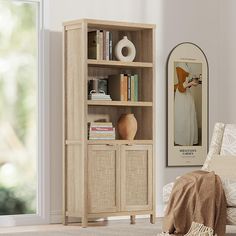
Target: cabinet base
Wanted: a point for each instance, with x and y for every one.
(91, 218)
(152, 219)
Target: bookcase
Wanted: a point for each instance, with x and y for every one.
(103, 178)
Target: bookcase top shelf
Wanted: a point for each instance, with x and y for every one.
(119, 103)
(102, 63)
(92, 23)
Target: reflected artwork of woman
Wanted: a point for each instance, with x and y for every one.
(185, 118)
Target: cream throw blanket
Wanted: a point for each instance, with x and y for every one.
(197, 206)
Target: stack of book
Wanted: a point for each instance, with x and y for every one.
(123, 87)
(101, 130)
(100, 45)
(99, 96)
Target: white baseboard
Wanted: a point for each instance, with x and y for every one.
(160, 210)
(56, 217)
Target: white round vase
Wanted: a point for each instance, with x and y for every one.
(125, 43)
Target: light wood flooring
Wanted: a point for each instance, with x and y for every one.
(103, 228)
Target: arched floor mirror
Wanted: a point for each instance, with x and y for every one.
(187, 95)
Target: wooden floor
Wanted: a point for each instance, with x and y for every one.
(103, 228)
(99, 226)
(38, 228)
(53, 227)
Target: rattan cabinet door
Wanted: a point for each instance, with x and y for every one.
(103, 178)
(136, 177)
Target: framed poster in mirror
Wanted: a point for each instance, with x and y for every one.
(187, 95)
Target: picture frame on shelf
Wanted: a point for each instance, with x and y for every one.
(187, 113)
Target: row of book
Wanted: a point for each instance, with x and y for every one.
(123, 87)
(101, 130)
(100, 45)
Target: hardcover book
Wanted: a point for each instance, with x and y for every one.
(117, 87)
(110, 45)
(136, 87)
(101, 129)
(132, 89)
(100, 45)
(100, 124)
(107, 47)
(104, 45)
(129, 87)
(92, 45)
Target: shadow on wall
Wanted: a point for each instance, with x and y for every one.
(55, 62)
(174, 29)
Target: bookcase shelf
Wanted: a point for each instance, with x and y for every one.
(119, 103)
(110, 142)
(120, 64)
(104, 178)
(104, 24)
(119, 142)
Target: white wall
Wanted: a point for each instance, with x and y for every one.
(180, 21)
(177, 21)
(226, 95)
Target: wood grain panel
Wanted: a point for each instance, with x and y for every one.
(74, 178)
(74, 94)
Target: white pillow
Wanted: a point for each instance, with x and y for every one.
(229, 140)
(216, 142)
(224, 166)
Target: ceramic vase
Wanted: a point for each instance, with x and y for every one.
(131, 51)
(127, 126)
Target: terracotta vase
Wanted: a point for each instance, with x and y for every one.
(127, 126)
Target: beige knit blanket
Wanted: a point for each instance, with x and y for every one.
(197, 206)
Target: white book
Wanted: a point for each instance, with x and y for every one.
(99, 96)
(100, 99)
(103, 138)
(103, 132)
(100, 124)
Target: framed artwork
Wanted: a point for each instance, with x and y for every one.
(187, 84)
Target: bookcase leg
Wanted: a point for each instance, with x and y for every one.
(132, 219)
(84, 222)
(152, 219)
(65, 220)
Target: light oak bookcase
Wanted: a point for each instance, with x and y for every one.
(104, 178)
